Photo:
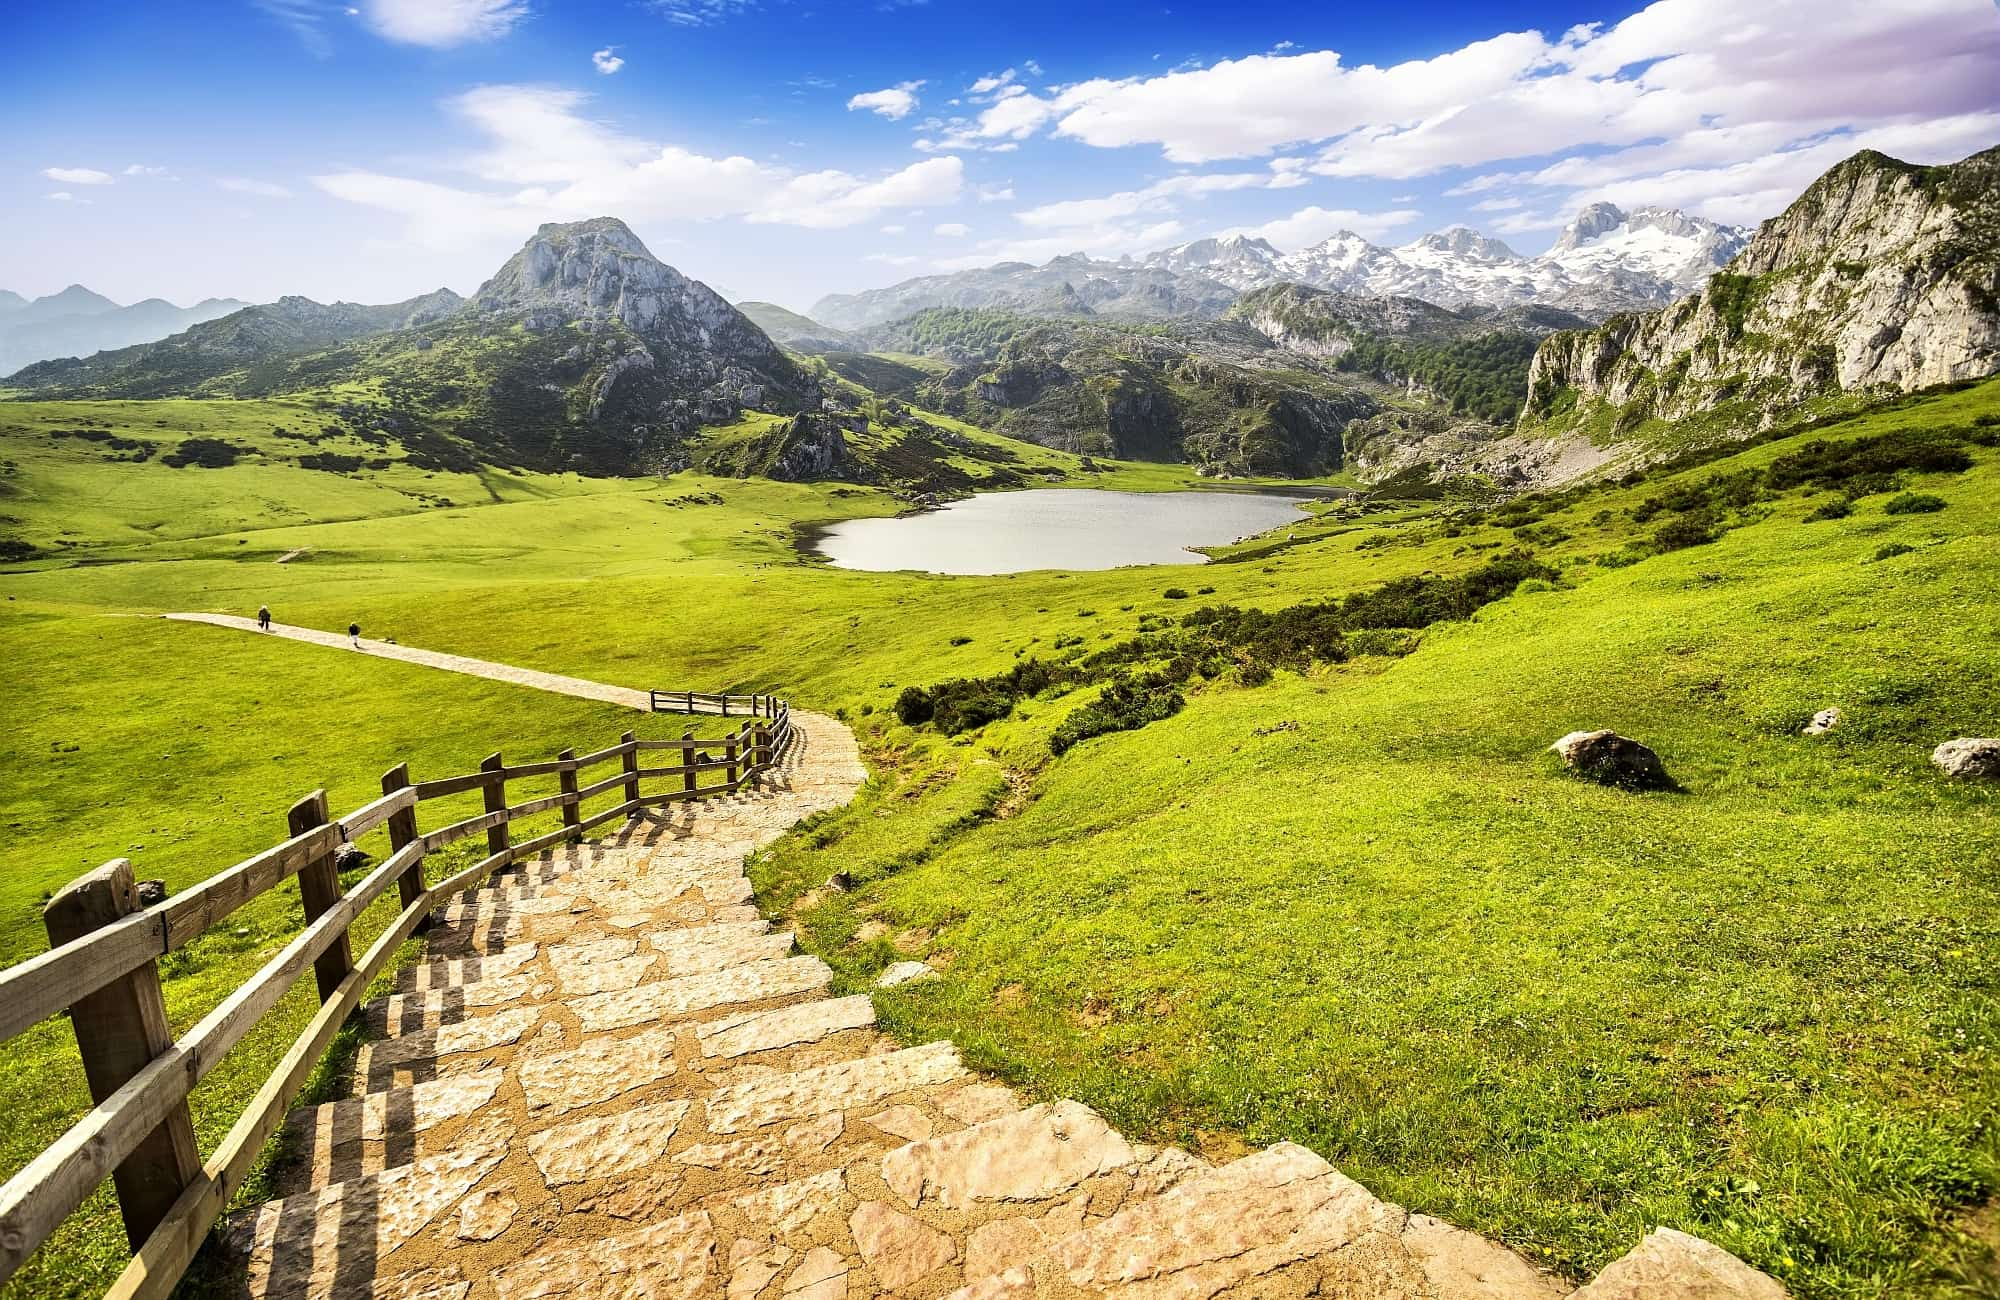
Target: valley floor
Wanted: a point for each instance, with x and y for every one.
(1358, 907)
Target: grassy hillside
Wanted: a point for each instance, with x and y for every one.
(1357, 906)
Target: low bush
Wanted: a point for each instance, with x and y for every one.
(1892, 550)
(1913, 503)
(204, 453)
(1838, 508)
(1175, 593)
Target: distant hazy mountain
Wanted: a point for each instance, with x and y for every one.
(245, 337)
(1069, 287)
(78, 322)
(799, 333)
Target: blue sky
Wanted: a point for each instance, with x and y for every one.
(782, 149)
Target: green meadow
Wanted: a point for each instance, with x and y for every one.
(1358, 906)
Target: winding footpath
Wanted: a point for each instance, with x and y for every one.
(612, 1078)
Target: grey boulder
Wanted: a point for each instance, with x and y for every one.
(1612, 759)
(1969, 758)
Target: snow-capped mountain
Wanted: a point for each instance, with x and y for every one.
(1606, 260)
(1239, 261)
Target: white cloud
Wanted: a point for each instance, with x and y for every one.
(606, 60)
(1113, 240)
(64, 196)
(1310, 225)
(895, 103)
(1160, 196)
(441, 24)
(987, 85)
(141, 169)
(951, 230)
(1678, 100)
(260, 189)
(894, 229)
(77, 175)
(698, 13)
(544, 161)
(1032, 68)
(993, 193)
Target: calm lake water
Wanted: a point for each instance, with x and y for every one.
(1056, 528)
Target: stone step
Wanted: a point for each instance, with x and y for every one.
(329, 1241)
(1277, 1224)
(577, 968)
(340, 1140)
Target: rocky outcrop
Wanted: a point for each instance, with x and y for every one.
(1882, 277)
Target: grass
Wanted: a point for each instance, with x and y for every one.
(1357, 907)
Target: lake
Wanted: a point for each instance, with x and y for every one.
(1056, 528)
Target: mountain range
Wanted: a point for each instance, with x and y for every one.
(1606, 260)
(584, 351)
(77, 322)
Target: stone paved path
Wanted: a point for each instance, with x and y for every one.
(556, 682)
(612, 1079)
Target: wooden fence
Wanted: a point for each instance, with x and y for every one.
(756, 706)
(102, 969)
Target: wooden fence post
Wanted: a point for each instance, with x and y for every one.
(572, 811)
(402, 834)
(631, 766)
(690, 778)
(119, 1029)
(319, 889)
(496, 801)
(763, 745)
(729, 755)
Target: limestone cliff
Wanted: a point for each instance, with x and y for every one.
(1883, 277)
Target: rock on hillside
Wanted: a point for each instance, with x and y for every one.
(1882, 277)
(1328, 323)
(180, 363)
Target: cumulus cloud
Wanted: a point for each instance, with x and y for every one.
(543, 160)
(951, 230)
(895, 103)
(64, 196)
(1310, 225)
(141, 169)
(256, 188)
(1674, 100)
(606, 60)
(441, 24)
(77, 175)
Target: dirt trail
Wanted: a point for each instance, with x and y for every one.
(555, 682)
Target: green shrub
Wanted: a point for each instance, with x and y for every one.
(1913, 503)
(961, 640)
(1529, 586)
(1126, 704)
(204, 453)
(1838, 508)
(1254, 673)
(1175, 593)
(1892, 550)
(1688, 530)
(914, 707)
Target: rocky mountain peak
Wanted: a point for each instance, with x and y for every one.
(1595, 220)
(1464, 241)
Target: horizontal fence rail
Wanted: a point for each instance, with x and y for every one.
(102, 969)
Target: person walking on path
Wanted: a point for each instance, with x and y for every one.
(263, 618)
(354, 634)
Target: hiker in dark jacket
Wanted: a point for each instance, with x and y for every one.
(354, 634)
(263, 618)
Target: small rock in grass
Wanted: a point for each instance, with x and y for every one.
(1969, 758)
(1822, 722)
(1670, 1265)
(1612, 759)
(151, 892)
(902, 973)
